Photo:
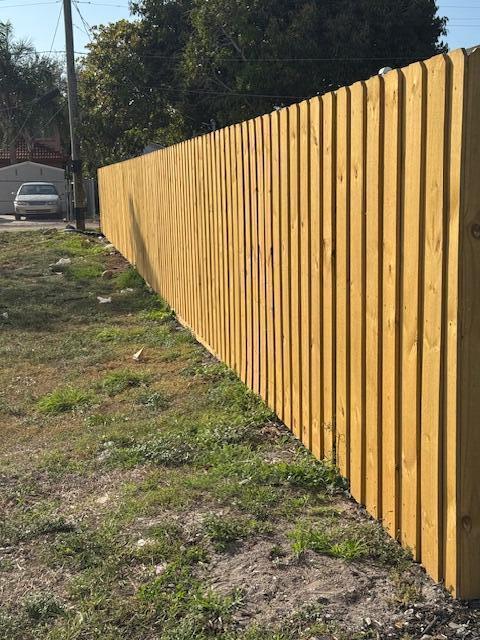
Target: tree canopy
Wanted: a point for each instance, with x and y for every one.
(28, 102)
(184, 67)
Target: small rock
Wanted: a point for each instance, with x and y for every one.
(160, 568)
(454, 625)
(103, 300)
(5, 315)
(63, 262)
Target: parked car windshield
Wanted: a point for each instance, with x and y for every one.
(37, 190)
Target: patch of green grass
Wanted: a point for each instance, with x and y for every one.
(156, 401)
(30, 523)
(210, 372)
(157, 315)
(73, 245)
(84, 272)
(58, 464)
(321, 541)
(223, 531)
(183, 605)
(119, 381)
(84, 548)
(43, 607)
(62, 400)
(129, 279)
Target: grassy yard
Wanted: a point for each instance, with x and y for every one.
(160, 499)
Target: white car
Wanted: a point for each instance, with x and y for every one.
(35, 198)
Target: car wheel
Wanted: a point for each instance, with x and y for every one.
(18, 216)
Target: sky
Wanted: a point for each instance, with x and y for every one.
(37, 20)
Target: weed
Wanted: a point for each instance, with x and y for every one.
(223, 531)
(29, 524)
(62, 400)
(58, 464)
(308, 473)
(166, 449)
(157, 315)
(83, 549)
(119, 381)
(407, 586)
(277, 552)
(157, 401)
(184, 607)
(130, 278)
(210, 372)
(350, 549)
(42, 607)
(321, 541)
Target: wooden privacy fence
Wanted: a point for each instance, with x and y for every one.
(329, 252)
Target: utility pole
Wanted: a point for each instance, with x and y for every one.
(79, 199)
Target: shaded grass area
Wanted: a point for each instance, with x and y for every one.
(123, 483)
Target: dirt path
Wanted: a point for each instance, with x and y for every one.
(158, 498)
(38, 223)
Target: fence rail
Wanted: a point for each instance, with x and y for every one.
(326, 253)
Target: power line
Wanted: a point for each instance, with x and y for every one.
(56, 29)
(88, 28)
(30, 4)
(145, 54)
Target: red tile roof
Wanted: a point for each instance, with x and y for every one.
(46, 152)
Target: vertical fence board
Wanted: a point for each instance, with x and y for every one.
(315, 307)
(277, 262)
(469, 379)
(255, 267)
(262, 307)
(305, 301)
(269, 300)
(357, 293)
(230, 241)
(431, 436)
(295, 257)
(248, 257)
(456, 61)
(241, 318)
(285, 234)
(390, 296)
(413, 213)
(373, 299)
(329, 318)
(342, 263)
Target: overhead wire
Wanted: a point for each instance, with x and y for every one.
(56, 29)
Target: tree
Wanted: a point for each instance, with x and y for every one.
(123, 86)
(290, 49)
(187, 66)
(28, 101)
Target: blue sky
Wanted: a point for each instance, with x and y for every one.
(38, 21)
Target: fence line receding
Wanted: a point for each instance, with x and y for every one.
(327, 252)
